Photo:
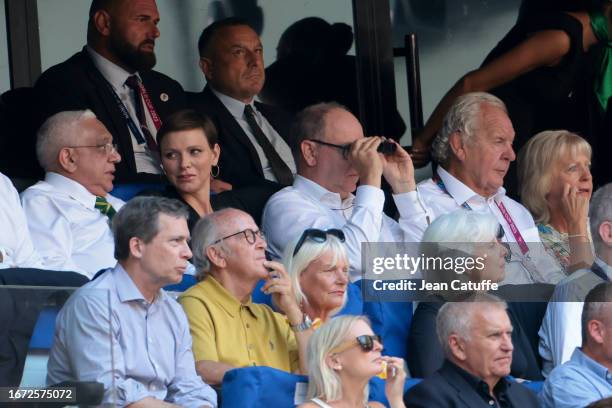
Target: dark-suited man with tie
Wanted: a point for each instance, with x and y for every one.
(253, 136)
(475, 335)
(113, 77)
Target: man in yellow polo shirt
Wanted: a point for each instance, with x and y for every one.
(228, 329)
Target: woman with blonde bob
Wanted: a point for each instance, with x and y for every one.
(318, 267)
(343, 355)
(556, 186)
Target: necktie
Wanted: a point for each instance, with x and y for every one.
(105, 207)
(133, 82)
(279, 167)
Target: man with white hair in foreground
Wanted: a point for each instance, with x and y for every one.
(69, 212)
(476, 336)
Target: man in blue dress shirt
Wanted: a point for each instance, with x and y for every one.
(587, 376)
(122, 329)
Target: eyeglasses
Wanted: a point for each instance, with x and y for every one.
(365, 342)
(249, 235)
(108, 148)
(319, 236)
(345, 148)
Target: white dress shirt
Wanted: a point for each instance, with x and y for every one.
(16, 248)
(107, 332)
(306, 204)
(429, 201)
(70, 233)
(561, 330)
(116, 76)
(236, 108)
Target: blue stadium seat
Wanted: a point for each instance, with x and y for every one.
(127, 191)
(259, 387)
(391, 320)
(187, 282)
(42, 334)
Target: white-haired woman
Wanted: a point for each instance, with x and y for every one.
(343, 356)
(556, 186)
(463, 234)
(317, 264)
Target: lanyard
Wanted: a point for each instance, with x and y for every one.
(596, 269)
(145, 95)
(502, 208)
(135, 129)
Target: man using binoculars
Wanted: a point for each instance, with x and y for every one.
(332, 155)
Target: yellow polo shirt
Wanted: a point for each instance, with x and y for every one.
(225, 330)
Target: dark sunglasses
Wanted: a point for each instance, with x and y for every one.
(317, 235)
(365, 342)
(344, 149)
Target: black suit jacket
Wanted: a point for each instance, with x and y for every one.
(77, 84)
(447, 388)
(239, 163)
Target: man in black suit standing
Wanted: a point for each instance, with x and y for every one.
(253, 136)
(476, 335)
(113, 77)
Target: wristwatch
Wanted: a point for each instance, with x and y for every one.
(305, 325)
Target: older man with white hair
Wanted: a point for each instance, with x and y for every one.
(474, 150)
(69, 212)
(476, 336)
(560, 333)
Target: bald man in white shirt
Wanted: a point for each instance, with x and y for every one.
(69, 212)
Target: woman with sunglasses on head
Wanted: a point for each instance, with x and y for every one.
(343, 355)
(464, 234)
(556, 186)
(317, 264)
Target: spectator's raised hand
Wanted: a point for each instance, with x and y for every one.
(575, 208)
(394, 384)
(398, 169)
(279, 286)
(366, 160)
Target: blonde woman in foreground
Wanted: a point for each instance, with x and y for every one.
(343, 355)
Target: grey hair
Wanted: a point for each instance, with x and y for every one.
(58, 131)
(207, 230)
(140, 218)
(458, 317)
(463, 117)
(593, 309)
(324, 382)
(600, 211)
(454, 235)
(310, 124)
(309, 251)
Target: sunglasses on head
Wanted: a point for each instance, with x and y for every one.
(365, 342)
(317, 235)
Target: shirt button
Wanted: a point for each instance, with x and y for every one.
(491, 402)
(248, 326)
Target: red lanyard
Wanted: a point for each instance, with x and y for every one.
(513, 228)
(145, 96)
(502, 208)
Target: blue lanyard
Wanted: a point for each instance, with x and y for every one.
(442, 187)
(596, 269)
(126, 116)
